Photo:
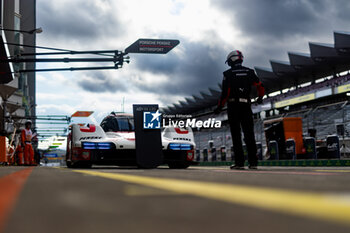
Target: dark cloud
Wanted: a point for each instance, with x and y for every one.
(98, 81)
(77, 20)
(284, 18)
(276, 27)
(341, 10)
(200, 67)
(272, 28)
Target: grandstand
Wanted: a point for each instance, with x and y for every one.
(313, 86)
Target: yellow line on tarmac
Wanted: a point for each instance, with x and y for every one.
(341, 171)
(314, 205)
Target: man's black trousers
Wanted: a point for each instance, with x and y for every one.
(240, 116)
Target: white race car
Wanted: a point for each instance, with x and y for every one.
(113, 143)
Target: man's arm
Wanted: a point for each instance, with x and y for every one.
(259, 87)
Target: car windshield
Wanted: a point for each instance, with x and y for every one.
(115, 124)
(123, 124)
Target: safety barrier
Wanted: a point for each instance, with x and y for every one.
(291, 163)
(310, 148)
(331, 151)
(333, 147)
(290, 149)
(205, 154)
(273, 150)
(198, 155)
(223, 153)
(213, 153)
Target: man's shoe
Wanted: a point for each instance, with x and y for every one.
(236, 167)
(253, 167)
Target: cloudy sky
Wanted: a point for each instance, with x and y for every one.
(207, 30)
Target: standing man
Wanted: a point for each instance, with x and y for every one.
(236, 88)
(26, 143)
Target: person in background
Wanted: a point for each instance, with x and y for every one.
(26, 144)
(236, 88)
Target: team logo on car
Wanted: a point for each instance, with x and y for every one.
(151, 120)
(190, 155)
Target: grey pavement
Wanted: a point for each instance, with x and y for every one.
(61, 200)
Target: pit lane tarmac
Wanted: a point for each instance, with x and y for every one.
(198, 199)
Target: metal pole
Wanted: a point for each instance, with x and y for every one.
(23, 31)
(72, 69)
(3, 130)
(97, 52)
(50, 48)
(65, 60)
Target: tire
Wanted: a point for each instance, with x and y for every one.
(78, 165)
(178, 165)
(69, 164)
(69, 152)
(142, 167)
(86, 165)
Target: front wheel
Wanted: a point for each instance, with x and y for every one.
(78, 164)
(86, 165)
(69, 164)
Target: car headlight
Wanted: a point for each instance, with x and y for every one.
(97, 145)
(104, 145)
(88, 145)
(180, 146)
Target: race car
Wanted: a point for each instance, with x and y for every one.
(113, 143)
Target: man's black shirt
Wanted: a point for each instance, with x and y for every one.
(237, 83)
